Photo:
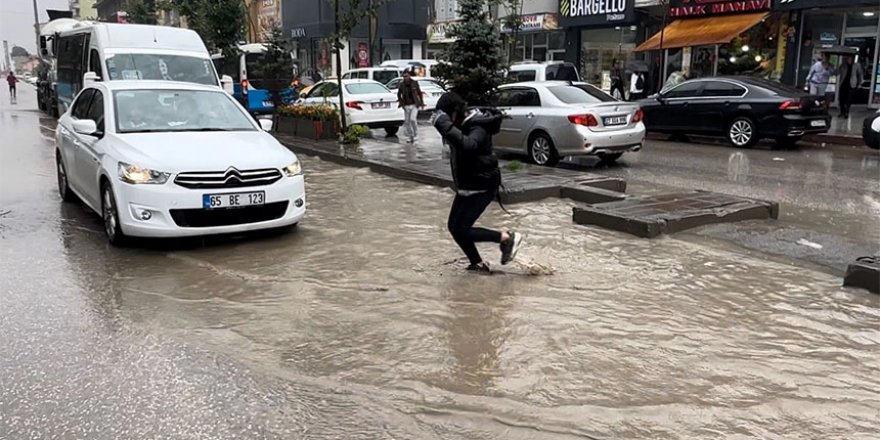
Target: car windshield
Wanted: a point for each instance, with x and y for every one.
(162, 67)
(580, 94)
(383, 76)
(141, 111)
(430, 84)
(364, 88)
(561, 72)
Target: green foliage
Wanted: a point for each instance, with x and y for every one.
(474, 62)
(354, 133)
(220, 23)
(141, 12)
(514, 165)
(18, 51)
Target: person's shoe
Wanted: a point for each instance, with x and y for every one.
(480, 268)
(510, 247)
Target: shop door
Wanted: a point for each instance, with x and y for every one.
(866, 44)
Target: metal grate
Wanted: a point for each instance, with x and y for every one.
(231, 178)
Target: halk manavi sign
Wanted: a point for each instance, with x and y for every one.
(596, 12)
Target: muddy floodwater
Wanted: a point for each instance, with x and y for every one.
(361, 324)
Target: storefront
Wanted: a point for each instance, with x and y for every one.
(538, 38)
(437, 38)
(835, 27)
(597, 33)
(721, 37)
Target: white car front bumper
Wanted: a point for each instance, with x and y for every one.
(175, 211)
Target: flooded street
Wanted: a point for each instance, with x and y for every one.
(361, 324)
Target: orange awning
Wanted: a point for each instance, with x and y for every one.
(700, 31)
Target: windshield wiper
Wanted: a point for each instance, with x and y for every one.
(146, 130)
(206, 129)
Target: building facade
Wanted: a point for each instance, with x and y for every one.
(397, 32)
(83, 9)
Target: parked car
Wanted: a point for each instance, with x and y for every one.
(871, 130)
(543, 71)
(743, 109)
(380, 74)
(554, 119)
(432, 90)
(367, 103)
(171, 159)
(418, 67)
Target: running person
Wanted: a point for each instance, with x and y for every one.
(11, 79)
(468, 132)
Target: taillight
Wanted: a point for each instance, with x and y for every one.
(790, 105)
(587, 120)
(638, 115)
(354, 104)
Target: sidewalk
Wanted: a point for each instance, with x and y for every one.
(845, 131)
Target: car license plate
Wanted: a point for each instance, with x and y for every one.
(614, 120)
(233, 200)
(817, 123)
(378, 105)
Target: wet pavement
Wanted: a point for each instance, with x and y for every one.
(360, 324)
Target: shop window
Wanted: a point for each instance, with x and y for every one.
(599, 49)
(753, 53)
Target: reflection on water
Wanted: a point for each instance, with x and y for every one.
(629, 339)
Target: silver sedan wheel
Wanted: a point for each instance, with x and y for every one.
(541, 150)
(741, 132)
(109, 214)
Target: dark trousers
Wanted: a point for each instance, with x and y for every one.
(846, 98)
(12, 91)
(464, 213)
(618, 87)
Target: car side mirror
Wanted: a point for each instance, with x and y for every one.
(85, 126)
(265, 124)
(89, 78)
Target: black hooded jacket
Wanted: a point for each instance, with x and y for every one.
(474, 164)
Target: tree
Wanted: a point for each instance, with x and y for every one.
(275, 66)
(473, 63)
(18, 51)
(512, 21)
(141, 11)
(343, 25)
(220, 23)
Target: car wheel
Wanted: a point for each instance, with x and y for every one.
(391, 131)
(741, 132)
(542, 151)
(63, 186)
(110, 214)
(610, 158)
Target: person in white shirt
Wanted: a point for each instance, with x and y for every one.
(637, 86)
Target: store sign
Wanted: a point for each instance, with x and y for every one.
(597, 12)
(789, 5)
(535, 23)
(298, 32)
(702, 8)
(437, 32)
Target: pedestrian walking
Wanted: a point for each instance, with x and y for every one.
(637, 86)
(817, 78)
(11, 79)
(617, 81)
(409, 96)
(851, 75)
(476, 176)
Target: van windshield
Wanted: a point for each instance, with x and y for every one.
(184, 68)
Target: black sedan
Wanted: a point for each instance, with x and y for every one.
(743, 109)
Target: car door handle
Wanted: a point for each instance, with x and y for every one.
(530, 115)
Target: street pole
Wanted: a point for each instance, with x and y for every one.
(660, 78)
(337, 45)
(37, 25)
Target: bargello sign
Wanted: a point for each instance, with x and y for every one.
(596, 12)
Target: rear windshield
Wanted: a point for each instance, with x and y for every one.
(775, 87)
(580, 94)
(521, 75)
(364, 88)
(561, 72)
(429, 84)
(383, 76)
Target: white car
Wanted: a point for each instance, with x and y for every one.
(554, 119)
(432, 90)
(169, 159)
(367, 103)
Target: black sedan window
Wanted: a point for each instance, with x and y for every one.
(722, 89)
(686, 90)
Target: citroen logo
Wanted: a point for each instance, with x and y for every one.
(231, 175)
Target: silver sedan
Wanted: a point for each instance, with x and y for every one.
(554, 119)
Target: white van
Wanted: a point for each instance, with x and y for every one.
(421, 67)
(543, 71)
(86, 51)
(379, 74)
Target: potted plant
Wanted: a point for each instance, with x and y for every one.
(310, 121)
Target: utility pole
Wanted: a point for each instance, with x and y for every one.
(337, 47)
(37, 25)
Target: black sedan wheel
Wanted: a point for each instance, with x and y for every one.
(542, 151)
(741, 132)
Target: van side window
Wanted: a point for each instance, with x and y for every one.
(95, 63)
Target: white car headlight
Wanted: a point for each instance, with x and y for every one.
(294, 169)
(134, 174)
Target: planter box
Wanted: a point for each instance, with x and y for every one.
(285, 125)
(316, 130)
